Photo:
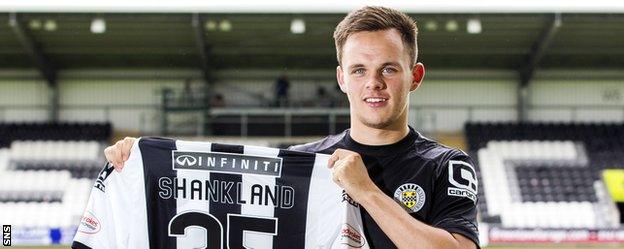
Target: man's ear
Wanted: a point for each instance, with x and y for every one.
(339, 75)
(418, 74)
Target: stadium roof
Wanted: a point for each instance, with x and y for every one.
(61, 41)
(313, 6)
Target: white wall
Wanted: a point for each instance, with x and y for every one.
(577, 100)
(444, 102)
(578, 92)
(132, 104)
(465, 92)
(23, 100)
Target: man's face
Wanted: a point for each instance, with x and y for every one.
(377, 77)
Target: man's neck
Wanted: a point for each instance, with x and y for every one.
(373, 136)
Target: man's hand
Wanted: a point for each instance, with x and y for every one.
(349, 172)
(119, 152)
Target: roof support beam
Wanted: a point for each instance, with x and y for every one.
(33, 49)
(46, 69)
(204, 53)
(539, 49)
(202, 48)
(527, 71)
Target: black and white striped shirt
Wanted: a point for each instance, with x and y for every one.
(180, 194)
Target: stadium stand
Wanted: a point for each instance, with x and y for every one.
(10, 132)
(48, 169)
(83, 161)
(546, 175)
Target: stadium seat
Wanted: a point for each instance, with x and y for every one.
(10, 132)
(550, 172)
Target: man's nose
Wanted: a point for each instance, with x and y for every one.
(375, 82)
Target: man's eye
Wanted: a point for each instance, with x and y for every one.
(388, 70)
(358, 71)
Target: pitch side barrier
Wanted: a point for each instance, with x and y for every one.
(496, 236)
(549, 236)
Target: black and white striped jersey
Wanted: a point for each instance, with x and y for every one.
(180, 194)
(433, 183)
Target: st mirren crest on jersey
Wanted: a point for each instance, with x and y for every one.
(106, 171)
(411, 196)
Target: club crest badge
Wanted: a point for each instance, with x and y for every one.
(410, 196)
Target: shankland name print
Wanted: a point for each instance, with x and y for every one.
(226, 192)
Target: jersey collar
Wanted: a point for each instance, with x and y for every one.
(381, 150)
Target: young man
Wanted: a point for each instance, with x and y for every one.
(415, 193)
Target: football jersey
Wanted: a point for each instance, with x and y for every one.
(180, 194)
(433, 183)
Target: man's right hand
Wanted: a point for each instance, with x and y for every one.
(119, 152)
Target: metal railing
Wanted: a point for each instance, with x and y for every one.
(291, 119)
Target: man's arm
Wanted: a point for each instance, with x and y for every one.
(349, 172)
(404, 230)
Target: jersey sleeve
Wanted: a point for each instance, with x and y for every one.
(115, 213)
(454, 208)
(96, 228)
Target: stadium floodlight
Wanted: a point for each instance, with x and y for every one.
(225, 25)
(451, 25)
(210, 25)
(98, 26)
(35, 24)
(431, 25)
(297, 26)
(473, 26)
(50, 25)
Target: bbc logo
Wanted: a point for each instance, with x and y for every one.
(6, 235)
